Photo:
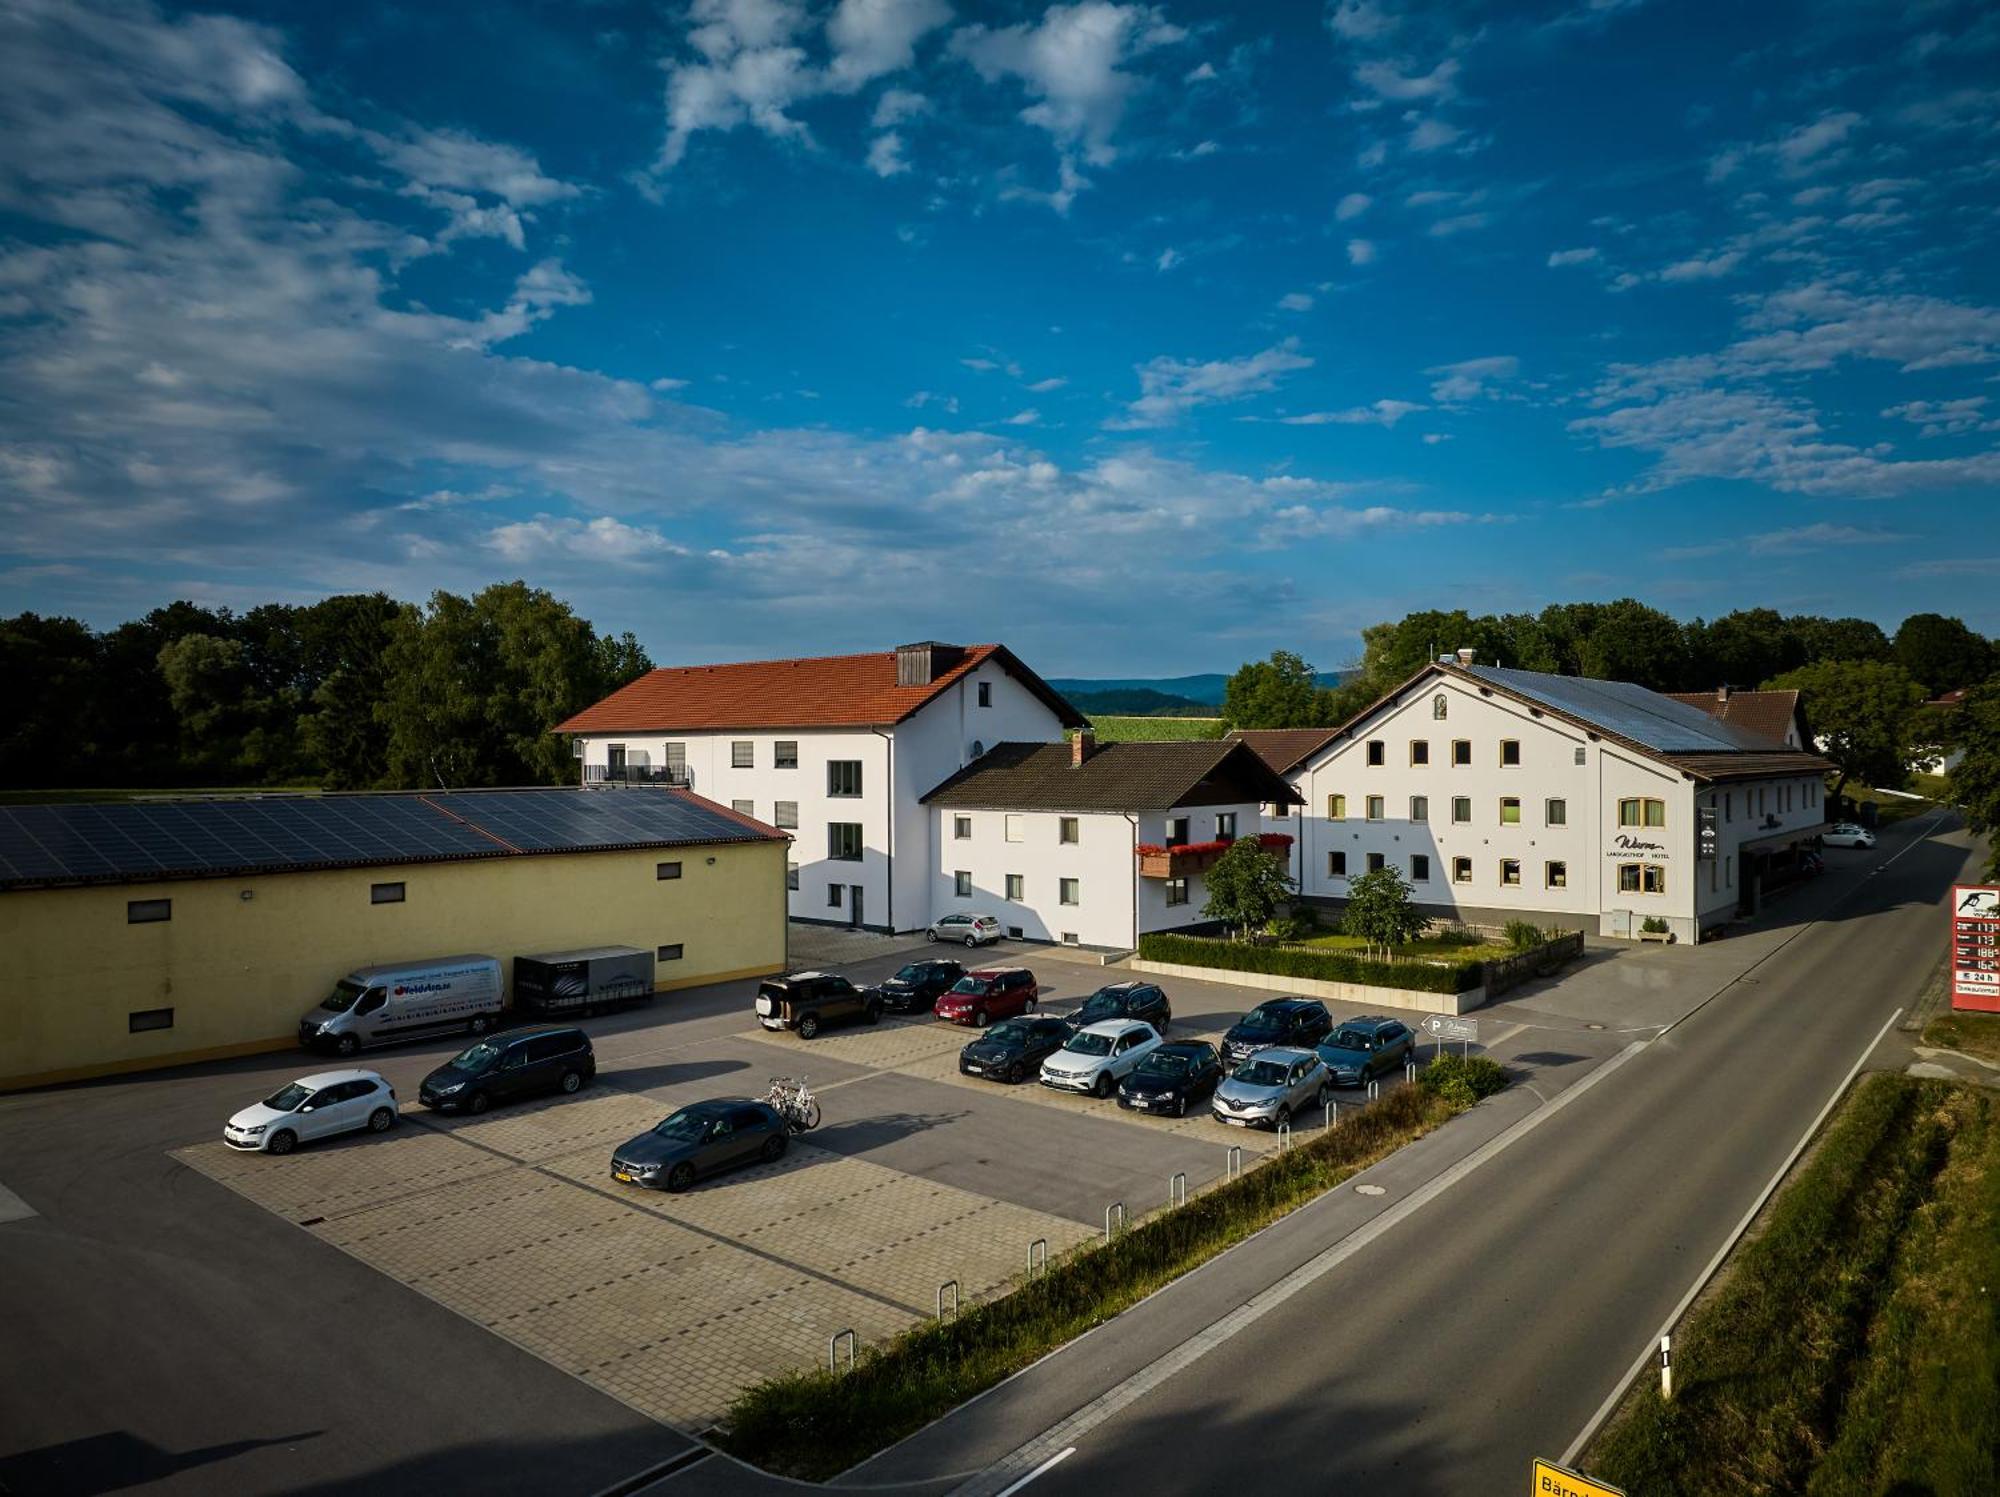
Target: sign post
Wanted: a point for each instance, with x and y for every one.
(1442, 1027)
(1975, 948)
(1551, 1480)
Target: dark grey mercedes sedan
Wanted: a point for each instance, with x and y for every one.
(702, 1139)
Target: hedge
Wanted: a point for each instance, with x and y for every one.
(1314, 965)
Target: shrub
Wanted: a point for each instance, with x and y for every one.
(1289, 928)
(1524, 935)
(1455, 935)
(1462, 1080)
(1313, 965)
(1652, 925)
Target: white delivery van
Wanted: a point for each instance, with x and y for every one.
(406, 1000)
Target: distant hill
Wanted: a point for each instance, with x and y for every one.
(1137, 701)
(1180, 695)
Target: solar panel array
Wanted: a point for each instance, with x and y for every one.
(116, 842)
(1632, 712)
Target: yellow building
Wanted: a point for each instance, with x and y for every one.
(151, 933)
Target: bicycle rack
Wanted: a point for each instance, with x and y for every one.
(1177, 1189)
(1043, 1265)
(1232, 1162)
(1284, 1136)
(952, 1285)
(1115, 1209)
(833, 1350)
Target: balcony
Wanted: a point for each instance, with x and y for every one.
(636, 774)
(1185, 858)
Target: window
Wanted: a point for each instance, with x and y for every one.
(1377, 753)
(978, 748)
(671, 953)
(744, 807)
(148, 911)
(1177, 831)
(1420, 751)
(961, 884)
(144, 1019)
(666, 870)
(1461, 751)
(843, 777)
(785, 813)
(961, 828)
(1461, 870)
(1225, 826)
(1068, 891)
(1177, 891)
(1374, 808)
(1015, 885)
(1420, 868)
(385, 893)
(1637, 811)
(792, 876)
(1068, 830)
(1336, 808)
(843, 840)
(1729, 805)
(742, 754)
(1510, 751)
(1420, 808)
(1069, 938)
(1653, 879)
(1510, 872)
(1555, 875)
(785, 754)
(986, 693)
(1375, 862)
(1438, 706)
(1628, 878)
(1510, 810)
(833, 896)
(1461, 808)
(677, 761)
(1011, 827)
(1557, 813)
(1579, 753)
(1336, 864)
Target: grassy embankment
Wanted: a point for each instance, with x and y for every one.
(1974, 1034)
(1892, 808)
(1156, 729)
(1426, 949)
(816, 1424)
(1853, 1345)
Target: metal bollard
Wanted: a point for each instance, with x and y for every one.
(1374, 1090)
(1667, 1368)
(1177, 1189)
(833, 1350)
(1284, 1136)
(952, 1285)
(1232, 1162)
(1115, 1209)
(1410, 1071)
(1043, 1265)
(1332, 1115)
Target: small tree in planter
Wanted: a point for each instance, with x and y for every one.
(1381, 912)
(1245, 887)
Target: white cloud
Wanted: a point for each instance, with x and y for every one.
(885, 154)
(1388, 80)
(1803, 538)
(1698, 268)
(1360, 252)
(1295, 301)
(1360, 20)
(1200, 73)
(946, 403)
(1458, 223)
(1816, 326)
(1434, 438)
(454, 159)
(1946, 418)
(1472, 379)
(1169, 258)
(1433, 134)
(897, 105)
(667, 386)
(750, 72)
(1807, 146)
(1381, 413)
(1029, 417)
(1352, 206)
(1585, 256)
(1053, 382)
(1169, 388)
(871, 38)
(603, 540)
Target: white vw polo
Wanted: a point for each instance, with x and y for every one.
(312, 1107)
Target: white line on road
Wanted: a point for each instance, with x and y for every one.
(1048, 1465)
(1914, 844)
(12, 1207)
(1701, 1279)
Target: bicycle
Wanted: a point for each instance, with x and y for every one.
(794, 1102)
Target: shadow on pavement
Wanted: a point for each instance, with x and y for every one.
(859, 1135)
(645, 1078)
(117, 1459)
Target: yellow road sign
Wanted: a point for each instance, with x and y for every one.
(1552, 1480)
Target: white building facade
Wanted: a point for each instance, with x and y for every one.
(1581, 804)
(836, 751)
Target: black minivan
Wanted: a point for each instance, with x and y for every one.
(508, 1067)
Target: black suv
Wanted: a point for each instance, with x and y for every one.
(1298, 1023)
(1125, 1000)
(1014, 1049)
(919, 985)
(1171, 1077)
(809, 1001)
(507, 1067)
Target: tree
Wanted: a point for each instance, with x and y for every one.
(1865, 714)
(1942, 653)
(1391, 653)
(1738, 648)
(1282, 692)
(1245, 887)
(1974, 782)
(1839, 639)
(1380, 910)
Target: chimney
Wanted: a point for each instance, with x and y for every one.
(1081, 747)
(1465, 657)
(922, 663)
(1721, 694)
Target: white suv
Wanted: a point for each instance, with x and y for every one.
(1098, 1056)
(974, 930)
(314, 1107)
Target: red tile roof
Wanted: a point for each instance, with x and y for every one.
(1766, 713)
(830, 691)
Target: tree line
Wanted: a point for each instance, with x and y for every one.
(355, 692)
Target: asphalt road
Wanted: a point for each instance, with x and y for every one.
(1486, 1327)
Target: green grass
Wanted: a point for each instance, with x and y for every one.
(1451, 974)
(1974, 1034)
(75, 797)
(815, 1424)
(1156, 729)
(1426, 949)
(1853, 1345)
(1893, 808)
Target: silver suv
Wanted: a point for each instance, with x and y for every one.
(1271, 1085)
(973, 930)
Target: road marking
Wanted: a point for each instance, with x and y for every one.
(990, 1482)
(13, 1208)
(1645, 1357)
(1915, 843)
(1048, 1465)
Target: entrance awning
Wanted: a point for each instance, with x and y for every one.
(1779, 841)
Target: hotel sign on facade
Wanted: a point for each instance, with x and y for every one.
(1975, 948)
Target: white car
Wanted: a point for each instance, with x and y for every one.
(1098, 1056)
(314, 1107)
(1847, 834)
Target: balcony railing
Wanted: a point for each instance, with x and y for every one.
(1185, 858)
(636, 774)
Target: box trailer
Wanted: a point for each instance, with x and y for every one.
(570, 982)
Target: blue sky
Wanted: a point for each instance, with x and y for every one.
(1146, 338)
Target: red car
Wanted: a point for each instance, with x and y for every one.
(989, 993)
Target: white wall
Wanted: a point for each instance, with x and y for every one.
(1101, 861)
(1154, 911)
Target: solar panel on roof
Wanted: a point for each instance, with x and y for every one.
(1632, 712)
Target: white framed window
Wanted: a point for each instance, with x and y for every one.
(1378, 752)
(785, 814)
(961, 828)
(1225, 826)
(986, 693)
(1336, 863)
(1420, 808)
(1177, 891)
(1069, 891)
(1177, 831)
(785, 754)
(843, 841)
(1556, 812)
(1555, 875)
(1461, 752)
(1375, 808)
(833, 896)
(1015, 885)
(961, 884)
(1510, 810)
(1461, 809)
(1420, 868)
(1510, 752)
(742, 754)
(1069, 830)
(744, 807)
(1642, 811)
(1461, 870)
(1336, 808)
(1376, 862)
(1420, 752)
(1013, 827)
(1510, 872)
(843, 778)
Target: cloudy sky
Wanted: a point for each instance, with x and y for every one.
(1146, 338)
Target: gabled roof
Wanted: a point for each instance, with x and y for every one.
(827, 691)
(1769, 714)
(1647, 722)
(1116, 777)
(1284, 749)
